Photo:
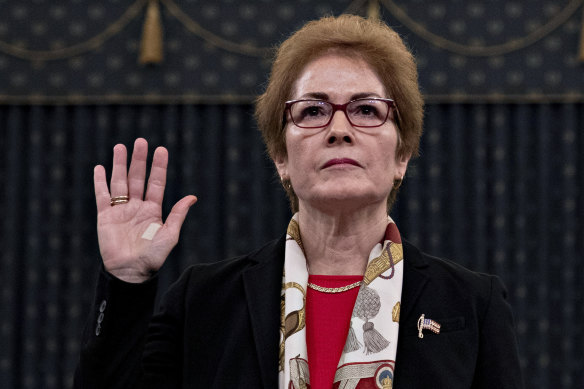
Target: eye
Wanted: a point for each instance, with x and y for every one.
(312, 110)
(365, 108)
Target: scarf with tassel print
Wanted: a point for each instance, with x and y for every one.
(368, 358)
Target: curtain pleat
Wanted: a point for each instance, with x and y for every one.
(497, 188)
(456, 149)
(544, 267)
(521, 219)
(477, 182)
(36, 258)
(12, 271)
(568, 254)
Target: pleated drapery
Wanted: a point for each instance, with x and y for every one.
(498, 188)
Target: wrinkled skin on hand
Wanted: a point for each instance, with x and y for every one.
(126, 254)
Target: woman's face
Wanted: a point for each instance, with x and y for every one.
(341, 165)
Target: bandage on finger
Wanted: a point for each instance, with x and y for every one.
(151, 231)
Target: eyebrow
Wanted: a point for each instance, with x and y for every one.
(325, 97)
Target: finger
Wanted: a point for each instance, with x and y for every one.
(137, 172)
(177, 215)
(119, 182)
(102, 194)
(157, 180)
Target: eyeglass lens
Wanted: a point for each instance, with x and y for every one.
(316, 113)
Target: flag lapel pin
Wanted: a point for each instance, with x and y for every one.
(427, 324)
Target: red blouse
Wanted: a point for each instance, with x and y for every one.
(328, 318)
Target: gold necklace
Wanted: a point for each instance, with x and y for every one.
(334, 290)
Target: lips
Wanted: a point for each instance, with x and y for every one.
(341, 161)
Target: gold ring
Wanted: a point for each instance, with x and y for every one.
(119, 200)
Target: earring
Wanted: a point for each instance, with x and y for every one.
(286, 183)
(397, 183)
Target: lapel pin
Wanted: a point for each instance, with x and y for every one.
(427, 324)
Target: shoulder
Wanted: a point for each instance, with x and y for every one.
(448, 273)
(262, 256)
(267, 260)
(449, 283)
(448, 289)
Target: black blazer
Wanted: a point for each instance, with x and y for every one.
(218, 327)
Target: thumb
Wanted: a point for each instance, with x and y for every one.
(178, 213)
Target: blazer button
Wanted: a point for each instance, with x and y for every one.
(98, 330)
(100, 318)
(102, 306)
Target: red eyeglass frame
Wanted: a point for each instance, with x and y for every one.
(343, 107)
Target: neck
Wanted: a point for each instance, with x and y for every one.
(339, 243)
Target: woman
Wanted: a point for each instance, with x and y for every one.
(340, 301)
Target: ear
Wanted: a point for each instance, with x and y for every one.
(281, 162)
(401, 164)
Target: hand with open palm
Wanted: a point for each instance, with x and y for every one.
(127, 252)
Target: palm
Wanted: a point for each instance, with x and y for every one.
(126, 251)
(120, 231)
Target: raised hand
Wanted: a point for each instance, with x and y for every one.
(133, 240)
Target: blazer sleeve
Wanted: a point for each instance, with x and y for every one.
(117, 350)
(498, 362)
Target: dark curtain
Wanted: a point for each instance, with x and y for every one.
(498, 188)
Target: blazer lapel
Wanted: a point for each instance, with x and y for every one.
(263, 285)
(414, 281)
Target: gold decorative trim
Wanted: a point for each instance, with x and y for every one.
(483, 51)
(131, 13)
(224, 44)
(81, 48)
(208, 36)
(245, 49)
(151, 45)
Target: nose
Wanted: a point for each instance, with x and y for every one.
(340, 130)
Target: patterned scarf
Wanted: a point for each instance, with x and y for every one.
(368, 358)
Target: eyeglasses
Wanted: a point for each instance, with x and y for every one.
(360, 112)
